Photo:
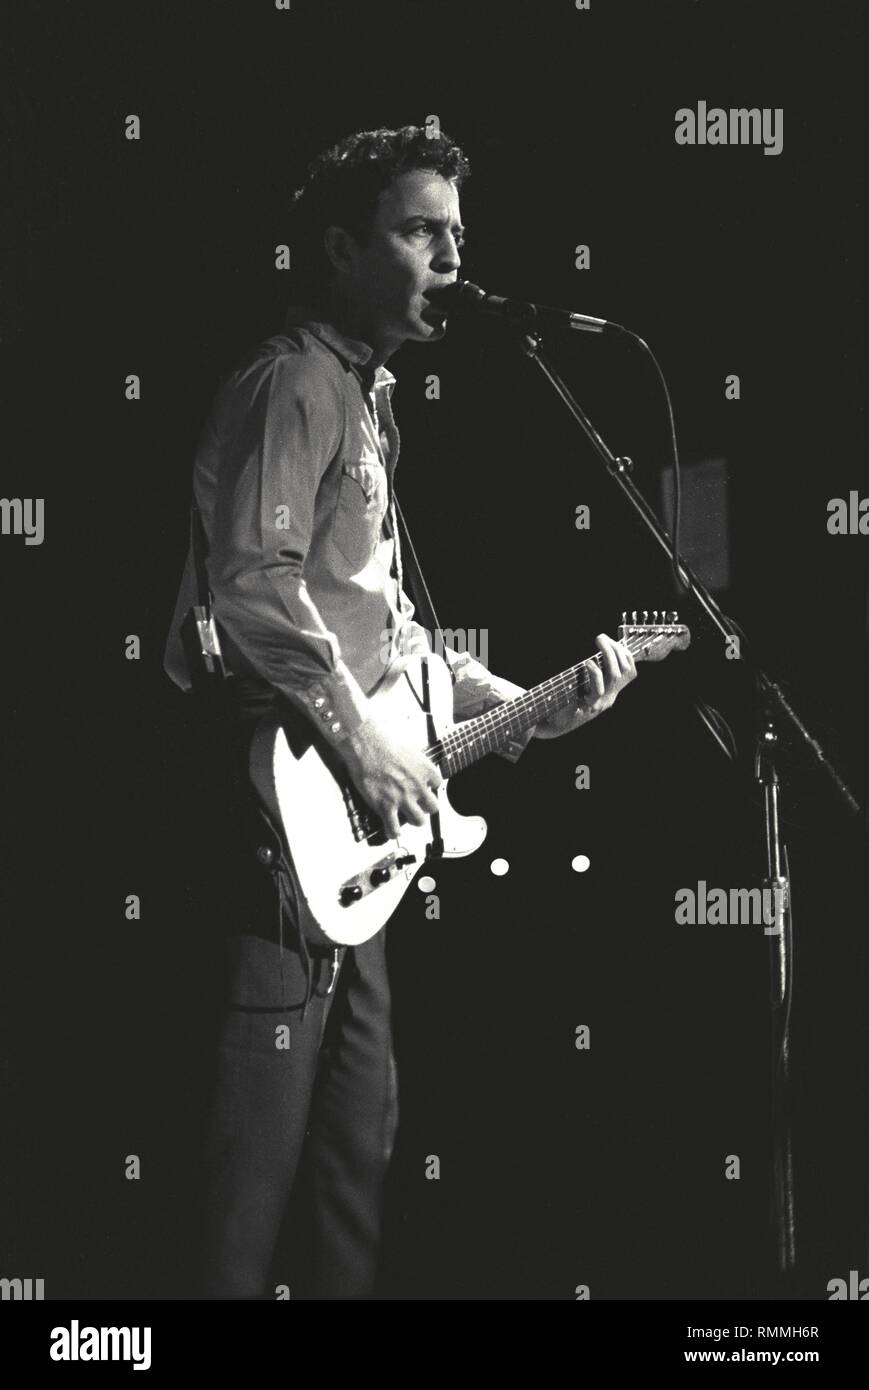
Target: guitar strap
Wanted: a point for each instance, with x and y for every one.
(425, 608)
(419, 590)
(435, 849)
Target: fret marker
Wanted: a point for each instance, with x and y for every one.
(580, 863)
(499, 867)
(426, 884)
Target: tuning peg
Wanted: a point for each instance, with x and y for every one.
(624, 616)
(645, 615)
(674, 616)
(634, 616)
(655, 617)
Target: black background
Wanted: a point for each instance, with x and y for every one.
(156, 257)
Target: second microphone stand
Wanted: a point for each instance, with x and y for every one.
(772, 707)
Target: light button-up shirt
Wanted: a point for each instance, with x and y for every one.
(293, 478)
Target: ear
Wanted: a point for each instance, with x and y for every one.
(340, 246)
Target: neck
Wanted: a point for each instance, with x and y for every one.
(355, 323)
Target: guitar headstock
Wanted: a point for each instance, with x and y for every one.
(652, 641)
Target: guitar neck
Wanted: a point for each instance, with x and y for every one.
(472, 739)
(487, 733)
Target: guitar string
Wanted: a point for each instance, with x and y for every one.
(460, 740)
(466, 740)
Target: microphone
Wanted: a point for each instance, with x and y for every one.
(463, 297)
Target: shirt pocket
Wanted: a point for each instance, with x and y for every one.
(359, 511)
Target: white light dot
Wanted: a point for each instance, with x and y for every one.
(426, 884)
(580, 863)
(499, 867)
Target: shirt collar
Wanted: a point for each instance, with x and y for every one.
(357, 353)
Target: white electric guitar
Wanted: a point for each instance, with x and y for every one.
(349, 876)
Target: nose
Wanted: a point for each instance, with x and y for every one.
(447, 257)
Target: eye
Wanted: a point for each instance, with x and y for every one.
(429, 227)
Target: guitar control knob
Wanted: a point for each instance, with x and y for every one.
(351, 894)
(379, 876)
(405, 859)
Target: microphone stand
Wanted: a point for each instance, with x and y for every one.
(772, 706)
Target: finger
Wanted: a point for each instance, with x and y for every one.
(625, 660)
(597, 683)
(611, 668)
(391, 824)
(429, 802)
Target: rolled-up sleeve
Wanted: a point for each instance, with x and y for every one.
(276, 428)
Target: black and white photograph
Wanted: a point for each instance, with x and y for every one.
(435, 529)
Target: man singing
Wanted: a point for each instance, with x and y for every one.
(294, 481)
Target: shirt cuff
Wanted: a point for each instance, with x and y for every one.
(335, 704)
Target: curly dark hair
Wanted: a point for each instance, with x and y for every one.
(342, 185)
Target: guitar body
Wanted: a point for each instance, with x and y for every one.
(348, 876)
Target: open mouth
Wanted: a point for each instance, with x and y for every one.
(437, 301)
(431, 312)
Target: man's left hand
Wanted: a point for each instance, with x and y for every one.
(616, 670)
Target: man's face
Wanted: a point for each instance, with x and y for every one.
(412, 246)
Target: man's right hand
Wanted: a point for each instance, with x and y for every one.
(396, 779)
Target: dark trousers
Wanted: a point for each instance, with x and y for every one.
(301, 1114)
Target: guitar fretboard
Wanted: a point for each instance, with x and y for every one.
(487, 733)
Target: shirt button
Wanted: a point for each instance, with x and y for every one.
(319, 702)
(336, 726)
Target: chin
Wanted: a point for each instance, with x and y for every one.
(428, 330)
